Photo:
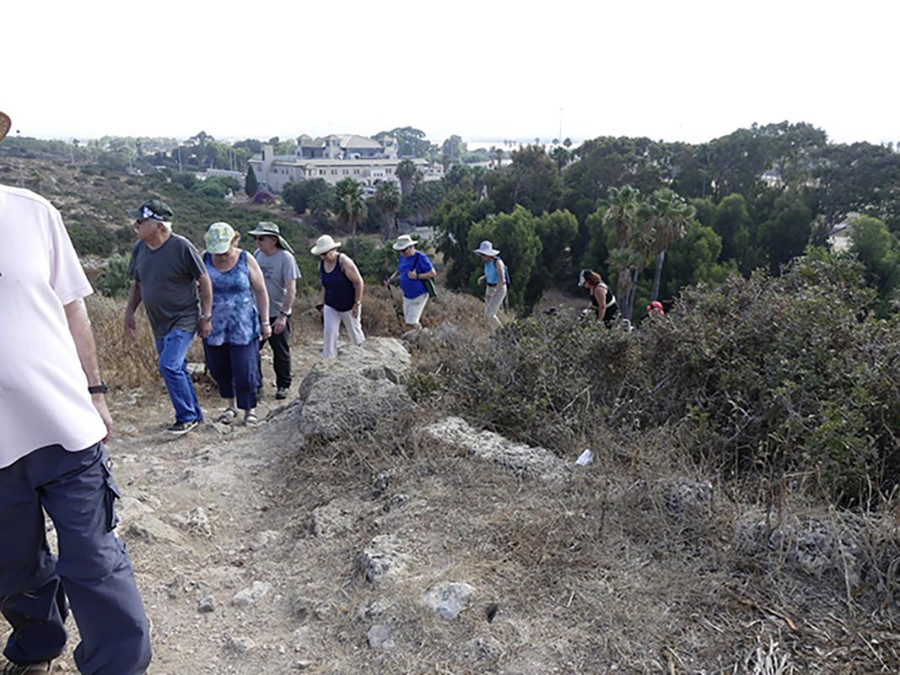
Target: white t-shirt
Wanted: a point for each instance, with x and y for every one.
(43, 390)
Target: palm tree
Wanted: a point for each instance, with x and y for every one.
(670, 217)
(349, 205)
(406, 174)
(387, 201)
(625, 214)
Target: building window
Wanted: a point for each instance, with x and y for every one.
(334, 172)
(346, 171)
(321, 172)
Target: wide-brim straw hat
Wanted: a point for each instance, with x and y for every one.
(486, 248)
(267, 229)
(324, 244)
(5, 124)
(403, 241)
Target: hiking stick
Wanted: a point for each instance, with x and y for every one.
(397, 310)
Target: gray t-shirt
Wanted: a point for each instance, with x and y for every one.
(278, 269)
(168, 278)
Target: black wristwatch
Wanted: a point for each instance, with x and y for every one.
(98, 388)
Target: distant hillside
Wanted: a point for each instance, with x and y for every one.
(94, 201)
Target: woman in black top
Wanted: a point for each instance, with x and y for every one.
(343, 295)
(602, 297)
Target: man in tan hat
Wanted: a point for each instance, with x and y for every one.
(276, 260)
(52, 458)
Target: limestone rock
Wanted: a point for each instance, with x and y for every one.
(449, 599)
(494, 448)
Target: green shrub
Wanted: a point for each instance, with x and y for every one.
(758, 377)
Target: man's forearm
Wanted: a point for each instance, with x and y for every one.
(206, 295)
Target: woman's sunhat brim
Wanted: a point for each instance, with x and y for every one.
(317, 250)
(403, 243)
(486, 250)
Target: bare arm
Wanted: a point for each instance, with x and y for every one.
(501, 277)
(134, 300)
(352, 273)
(80, 328)
(258, 286)
(204, 286)
(290, 290)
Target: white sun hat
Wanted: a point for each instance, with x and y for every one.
(486, 249)
(324, 244)
(404, 241)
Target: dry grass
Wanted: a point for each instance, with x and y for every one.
(124, 363)
(605, 572)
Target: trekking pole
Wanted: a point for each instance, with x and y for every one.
(397, 310)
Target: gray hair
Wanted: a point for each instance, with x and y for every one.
(166, 224)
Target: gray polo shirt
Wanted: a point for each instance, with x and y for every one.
(168, 278)
(278, 269)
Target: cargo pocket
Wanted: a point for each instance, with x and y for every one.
(112, 494)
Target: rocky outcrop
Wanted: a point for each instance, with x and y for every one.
(354, 391)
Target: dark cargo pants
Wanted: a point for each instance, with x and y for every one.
(77, 491)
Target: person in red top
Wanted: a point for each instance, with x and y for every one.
(655, 308)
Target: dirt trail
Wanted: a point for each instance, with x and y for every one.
(200, 518)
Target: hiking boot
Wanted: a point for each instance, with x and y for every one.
(181, 428)
(26, 668)
(281, 393)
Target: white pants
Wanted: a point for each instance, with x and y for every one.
(493, 298)
(333, 319)
(413, 308)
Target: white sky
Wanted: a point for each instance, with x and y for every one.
(687, 70)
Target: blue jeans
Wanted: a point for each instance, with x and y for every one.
(173, 367)
(77, 491)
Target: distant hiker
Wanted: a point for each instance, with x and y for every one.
(495, 276)
(344, 289)
(602, 298)
(413, 268)
(239, 299)
(169, 277)
(52, 459)
(655, 308)
(276, 260)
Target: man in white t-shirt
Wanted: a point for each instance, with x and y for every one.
(54, 420)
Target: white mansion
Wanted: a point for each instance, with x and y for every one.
(333, 158)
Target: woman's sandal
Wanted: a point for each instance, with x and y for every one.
(251, 420)
(227, 416)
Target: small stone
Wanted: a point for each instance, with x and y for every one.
(206, 605)
(250, 595)
(379, 637)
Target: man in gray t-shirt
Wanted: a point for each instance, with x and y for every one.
(276, 259)
(169, 277)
